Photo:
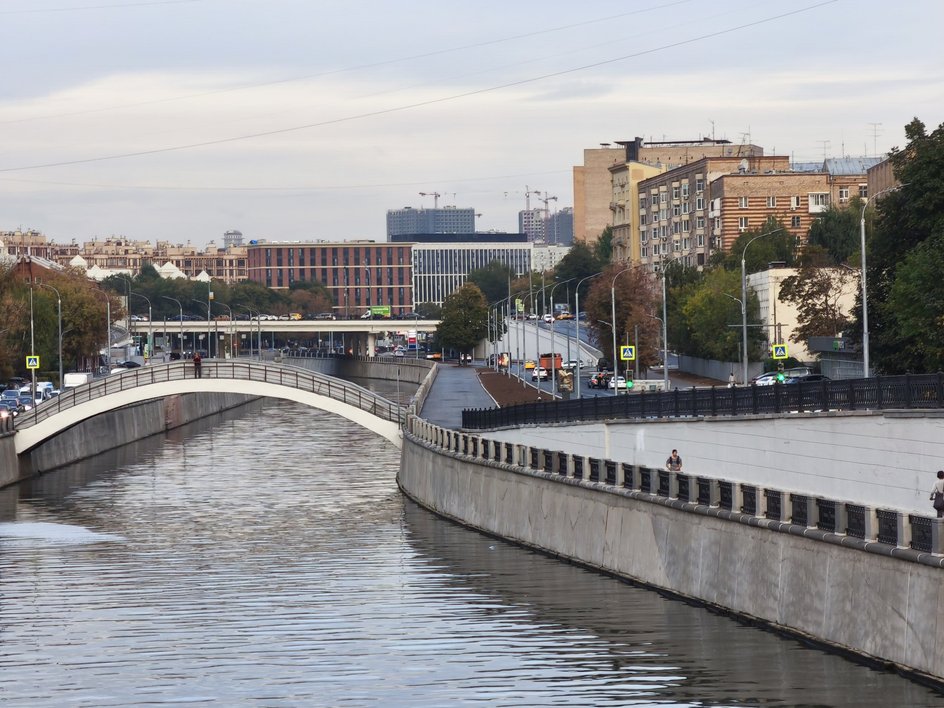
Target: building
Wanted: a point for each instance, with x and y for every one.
(624, 181)
(690, 212)
(445, 220)
(25, 243)
(593, 190)
(357, 274)
(560, 230)
(880, 177)
(533, 223)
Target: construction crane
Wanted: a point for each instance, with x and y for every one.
(434, 195)
(547, 213)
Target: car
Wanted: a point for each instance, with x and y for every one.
(572, 364)
(27, 403)
(539, 374)
(325, 316)
(565, 316)
(128, 364)
(8, 409)
(768, 379)
(436, 356)
(601, 379)
(528, 365)
(808, 378)
(616, 382)
(11, 394)
(548, 318)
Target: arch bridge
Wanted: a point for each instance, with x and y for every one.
(310, 388)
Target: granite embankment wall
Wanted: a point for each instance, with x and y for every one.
(877, 606)
(111, 430)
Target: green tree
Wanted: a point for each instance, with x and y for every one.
(780, 245)
(464, 320)
(837, 232)
(428, 310)
(917, 299)
(635, 301)
(904, 219)
(579, 263)
(492, 280)
(603, 248)
(711, 314)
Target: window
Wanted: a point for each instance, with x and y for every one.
(684, 191)
(686, 225)
(742, 223)
(819, 199)
(742, 202)
(794, 202)
(864, 191)
(700, 222)
(675, 192)
(676, 210)
(794, 222)
(685, 206)
(663, 197)
(843, 195)
(676, 228)
(654, 200)
(700, 240)
(699, 186)
(699, 203)
(771, 202)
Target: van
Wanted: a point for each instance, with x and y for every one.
(73, 379)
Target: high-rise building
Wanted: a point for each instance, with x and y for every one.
(445, 220)
(560, 230)
(532, 223)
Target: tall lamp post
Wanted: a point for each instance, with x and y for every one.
(150, 346)
(258, 328)
(59, 318)
(181, 332)
(744, 299)
(613, 318)
(665, 334)
(577, 325)
(865, 291)
(230, 310)
(553, 353)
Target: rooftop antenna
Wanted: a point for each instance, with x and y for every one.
(825, 144)
(712, 130)
(875, 134)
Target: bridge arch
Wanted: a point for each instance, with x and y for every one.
(310, 388)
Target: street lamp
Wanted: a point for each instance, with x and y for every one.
(150, 345)
(258, 328)
(553, 354)
(230, 310)
(744, 297)
(577, 320)
(181, 308)
(865, 293)
(613, 316)
(59, 317)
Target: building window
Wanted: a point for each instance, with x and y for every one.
(699, 203)
(700, 240)
(742, 223)
(700, 222)
(663, 197)
(685, 206)
(675, 192)
(686, 225)
(742, 202)
(794, 202)
(843, 195)
(676, 210)
(864, 191)
(771, 202)
(684, 191)
(794, 222)
(699, 186)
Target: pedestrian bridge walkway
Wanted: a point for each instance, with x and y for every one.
(311, 388)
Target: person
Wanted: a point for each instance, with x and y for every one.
(731, 380)
(674, 462)
(197, 366)
(937, 494)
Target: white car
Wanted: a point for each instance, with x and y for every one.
(539, 373)
(617, 382)
(548, 318)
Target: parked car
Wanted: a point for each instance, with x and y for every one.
(768, 379)
(128, 364)
(808, 378)
(8, 410)
(325, 316)
(27, 403)
(539, 374)
(565, 316)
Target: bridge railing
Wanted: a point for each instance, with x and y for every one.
(301, 379)
(881, 392)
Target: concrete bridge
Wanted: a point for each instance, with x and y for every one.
(310, 388)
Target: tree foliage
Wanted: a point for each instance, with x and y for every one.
(816, 293)
(836, 231)
(580, 262)
(464, 320)
(635, 298)
(780, 245)
(492, 280)
(917, 299)
(603, 248)
(711, 314)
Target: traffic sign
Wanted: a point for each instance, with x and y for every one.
(628, 353)
(32, 362)
(780, 351)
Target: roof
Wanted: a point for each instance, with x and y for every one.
(849, 165)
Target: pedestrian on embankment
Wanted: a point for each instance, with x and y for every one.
(197, 365)
(937, 494)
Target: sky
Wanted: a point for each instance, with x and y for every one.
(303, 120)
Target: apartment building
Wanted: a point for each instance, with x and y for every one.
(358, 274)
(593, 189)
(445, 220)
(25, 243)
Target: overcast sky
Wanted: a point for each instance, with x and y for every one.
(303, 120)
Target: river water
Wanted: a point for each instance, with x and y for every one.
(267, 558)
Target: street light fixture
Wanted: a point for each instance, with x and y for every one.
(744, 298)
(577, 325)
(865, 292)
(613, 316)
(553, 353)
(181, 308)
(59, 317)
(258, 314)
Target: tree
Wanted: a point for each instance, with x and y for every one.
(917, 299)
(308, 297)
(780, 245)
(464, 320)
(905, 219)
(428, 310)
(837, 231)
(492, 280)
(603, 248)
(816, 292)
(635, 301)
(711, 312)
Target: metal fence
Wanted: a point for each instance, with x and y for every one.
(301, 379)
(881, 392)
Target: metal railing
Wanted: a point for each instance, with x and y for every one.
(301, 379)
(921, 391)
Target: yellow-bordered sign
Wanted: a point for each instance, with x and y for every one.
(780, 351)
(32, 362)
(628, 353)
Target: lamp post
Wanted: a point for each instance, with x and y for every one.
(744, 298)
(150, 345)
(865, 291)
(259, 329)
(577, 320)
(553, 353)
(180, 307)
(59, 318)
(209, 327)
(613, 317)
(230, 310)
(665, 333)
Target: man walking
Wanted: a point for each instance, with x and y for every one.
(197, 366)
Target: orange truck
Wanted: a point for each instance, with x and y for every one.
(546, 360)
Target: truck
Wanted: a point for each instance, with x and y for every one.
(551, 361)
(75, 378)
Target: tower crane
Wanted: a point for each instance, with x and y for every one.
(434, 195)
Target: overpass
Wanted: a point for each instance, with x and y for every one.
(361, 334)
(310, 388)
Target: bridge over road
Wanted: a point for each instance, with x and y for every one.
(311, 388)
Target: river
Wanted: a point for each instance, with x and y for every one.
(266, 557)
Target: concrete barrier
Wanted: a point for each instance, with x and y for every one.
(772, 564)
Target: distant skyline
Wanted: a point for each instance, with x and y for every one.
(296, 120)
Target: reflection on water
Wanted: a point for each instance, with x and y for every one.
(267, 558)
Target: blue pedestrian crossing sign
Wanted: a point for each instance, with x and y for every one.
(628, 353)
(32, 362)
(780, 351)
